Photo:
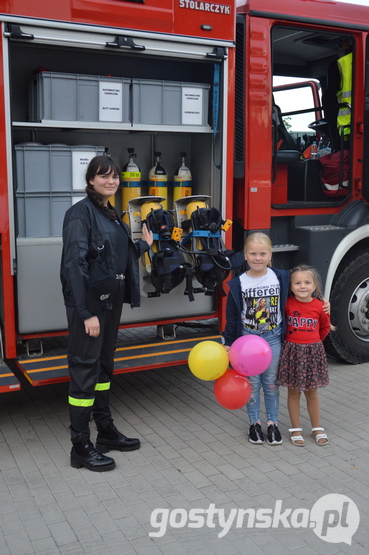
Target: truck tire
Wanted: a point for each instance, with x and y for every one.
(350, 313)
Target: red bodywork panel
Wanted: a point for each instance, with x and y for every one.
(190, 17)
(181, 17)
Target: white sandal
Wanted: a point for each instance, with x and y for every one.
(294, 439)
(317, 437)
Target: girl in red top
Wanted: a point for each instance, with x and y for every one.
(303, 364)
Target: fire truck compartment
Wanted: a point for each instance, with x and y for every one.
(43, 185)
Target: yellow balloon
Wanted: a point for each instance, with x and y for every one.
(208, 360)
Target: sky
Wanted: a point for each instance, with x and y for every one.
(361, 2)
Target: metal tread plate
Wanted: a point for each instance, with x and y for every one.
(132, 358)
(8, 381)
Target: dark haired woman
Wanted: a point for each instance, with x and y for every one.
(99, 271)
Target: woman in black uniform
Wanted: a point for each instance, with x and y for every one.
(99, 271)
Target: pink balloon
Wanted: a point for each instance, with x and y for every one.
(250, 355)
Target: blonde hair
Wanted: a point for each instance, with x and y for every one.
(259, 237)
(316, 279)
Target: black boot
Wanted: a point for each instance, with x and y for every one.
(84, 454)
(110, 438)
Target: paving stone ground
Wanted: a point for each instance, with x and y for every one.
(192, 478)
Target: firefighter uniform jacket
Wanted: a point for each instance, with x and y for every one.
(85, 226)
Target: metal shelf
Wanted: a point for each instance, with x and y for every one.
(108, 127)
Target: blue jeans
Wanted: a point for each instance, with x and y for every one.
(267, 380)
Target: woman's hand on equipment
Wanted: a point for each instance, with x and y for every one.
(326, 306)
(147, 235)
(92, 326)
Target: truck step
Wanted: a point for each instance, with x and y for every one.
(157, 354)
(285, 248)
(8, 382)
(324, 227)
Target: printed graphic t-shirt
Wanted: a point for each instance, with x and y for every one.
(306, 322)
(261, 301)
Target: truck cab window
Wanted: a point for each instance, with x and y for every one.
(293, 98)
(312, 98)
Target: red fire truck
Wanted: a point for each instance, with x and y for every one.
(226, 85)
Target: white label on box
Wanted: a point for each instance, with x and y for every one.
(80, 161)
(76, 199)
(191, 106)
(110, 101)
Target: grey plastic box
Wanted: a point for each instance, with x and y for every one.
(41, 215)
(55, 168)
(75, 97)
(170, 103)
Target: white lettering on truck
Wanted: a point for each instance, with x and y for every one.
(205, 6)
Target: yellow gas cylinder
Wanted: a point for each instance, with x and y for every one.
(146, 209)
(191, 207)
(148, 206)
(182, 185)
(131, 183)
(158, 181)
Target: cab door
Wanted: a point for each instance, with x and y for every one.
(366, 128)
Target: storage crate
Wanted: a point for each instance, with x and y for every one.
(74, 97)
(41, 215)
(170, 103)
(59, 168)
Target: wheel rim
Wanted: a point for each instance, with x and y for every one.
(358, 311)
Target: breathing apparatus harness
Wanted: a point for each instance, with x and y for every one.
(212, 263)
(169, 265)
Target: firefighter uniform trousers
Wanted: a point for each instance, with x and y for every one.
(91, 365)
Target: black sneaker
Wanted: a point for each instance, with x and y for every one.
(274, 435)
(256, 434)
